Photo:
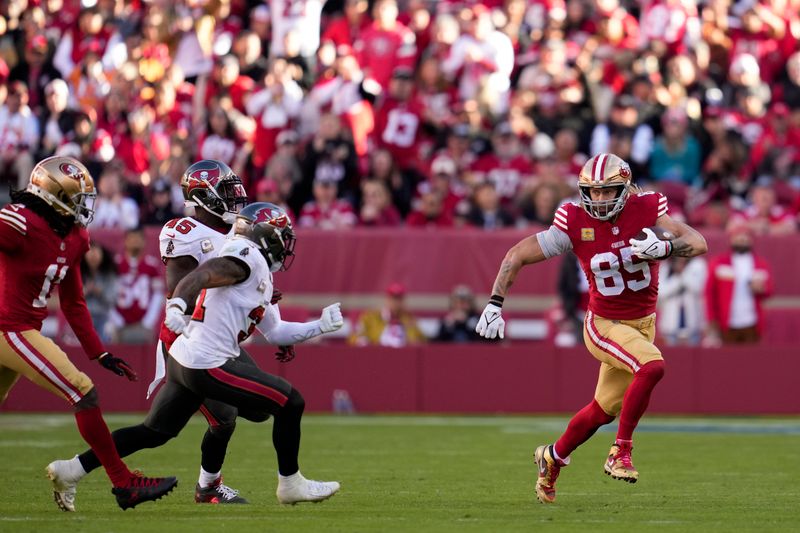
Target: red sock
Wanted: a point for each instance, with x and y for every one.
(634, 404)
(95, 432)
(581, 427)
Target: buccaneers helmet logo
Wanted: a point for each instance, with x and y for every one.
(266, 215)
(211, 175)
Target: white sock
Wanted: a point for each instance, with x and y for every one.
(76, 466)
(207, 479)
(291, 480)
(558, 457)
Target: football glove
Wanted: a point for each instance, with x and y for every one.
(175, 320)
(491, 323)
(285, 353)
(651, 248)
(331, 318)
(117, 366)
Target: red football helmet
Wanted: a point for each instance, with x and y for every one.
(270, 228)
(212, 185)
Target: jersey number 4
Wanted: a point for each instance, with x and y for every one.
(607, 275)
(53, 274)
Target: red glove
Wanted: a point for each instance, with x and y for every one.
(285, 353)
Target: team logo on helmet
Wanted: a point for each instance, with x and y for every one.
(279, 220)
(624, 170)
(211, 175)
(70, 171)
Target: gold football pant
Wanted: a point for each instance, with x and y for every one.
(622, 347)
(31, 354)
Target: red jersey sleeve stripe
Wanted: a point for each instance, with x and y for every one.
(12, 214)
(560, 225)
(17, 225)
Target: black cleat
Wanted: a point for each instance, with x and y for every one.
(143, 489)
(217, 493)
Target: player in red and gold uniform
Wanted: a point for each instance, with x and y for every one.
(42, 240)
(619, 328)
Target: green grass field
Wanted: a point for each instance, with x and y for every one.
(431, 474)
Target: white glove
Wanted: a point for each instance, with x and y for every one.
(651, 248)
(331, 318)
(491, 323)
(175, 319)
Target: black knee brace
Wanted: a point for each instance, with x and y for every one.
(89, 401)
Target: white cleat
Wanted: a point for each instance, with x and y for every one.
(65, 477)
(295, 489)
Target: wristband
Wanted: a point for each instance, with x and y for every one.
(671, 248)
(177, 302)
(497, 300)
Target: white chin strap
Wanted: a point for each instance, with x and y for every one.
(227, 217)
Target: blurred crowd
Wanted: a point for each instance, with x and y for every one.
(409, 112)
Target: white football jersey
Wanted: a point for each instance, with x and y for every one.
(225, 316)
(187, 236)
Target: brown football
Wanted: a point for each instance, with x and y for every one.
(661, 233)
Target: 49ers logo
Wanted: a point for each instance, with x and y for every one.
(624, 170)
(70, 171)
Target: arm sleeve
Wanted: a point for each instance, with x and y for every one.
(553, 242)
(73, 305)
(281, 333)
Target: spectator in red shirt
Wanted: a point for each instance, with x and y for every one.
(738, 282)
(140, 291)
(386, 44)
(326, 211)
(398, 120)
(430, 211)
(226, 80)
(505, 166)
(376, 207)
(764, 216)
(347, 28)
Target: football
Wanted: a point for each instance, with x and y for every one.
(661, 233)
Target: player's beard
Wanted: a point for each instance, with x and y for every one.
(741, 248)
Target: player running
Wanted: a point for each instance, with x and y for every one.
(217, 194)
(623, 287)
(232, 294)
(42, 240)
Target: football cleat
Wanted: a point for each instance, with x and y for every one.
(295, 489)
(217, 493)
(143, 489)
(619, 465)
(549, 468)
(65, 478)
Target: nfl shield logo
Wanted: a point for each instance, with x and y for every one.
(615, 230)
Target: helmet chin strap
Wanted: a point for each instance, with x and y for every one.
(227, 217)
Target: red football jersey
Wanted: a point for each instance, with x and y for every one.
(33, 260)
(139, 280)
(506, 174)
(621, 286)
(397, 128)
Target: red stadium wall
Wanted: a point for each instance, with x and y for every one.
(367, 260)
(515, 378)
